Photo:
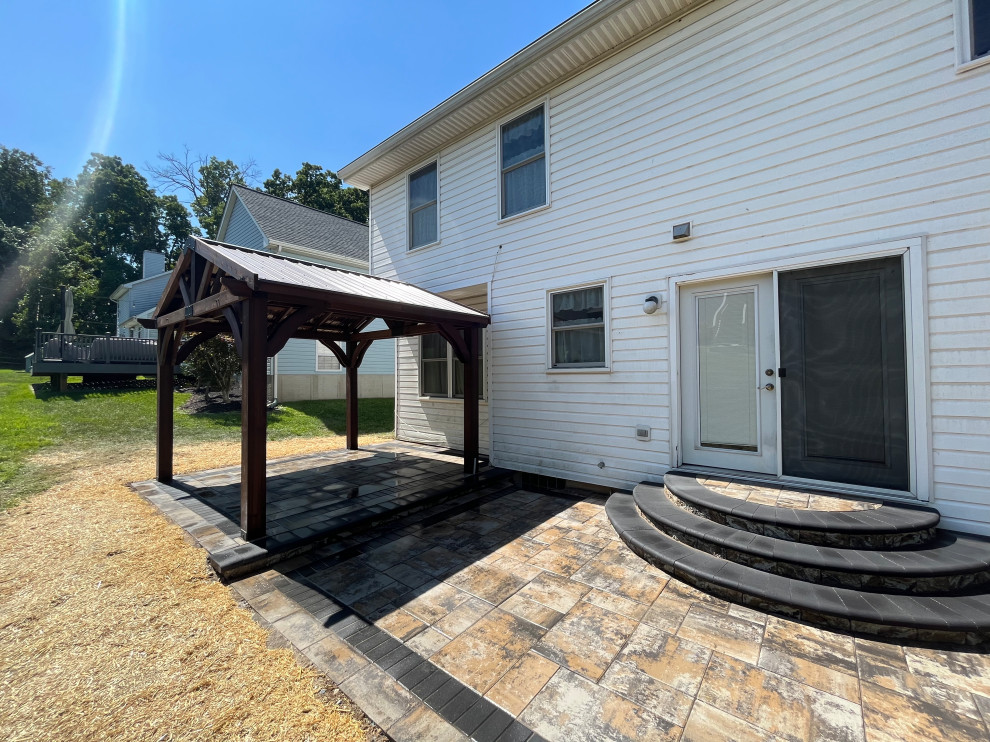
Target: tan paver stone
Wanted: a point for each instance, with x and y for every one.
(571, 708)
(436, 601)
(648, 692)
(967, 671)
(379, 696)
(616, 604)
(777, 705)
(582, 511)
(590, 537)
(676, 662)
(462, 617)
(586, 640)
(667, 613)
(819, 658)
(678, 589)
(425, 725)
(522, 682)
(517, 568)
(890, 716)
(565, 557)
(708, 724)
(484, 653)
(741, 611)
(736, 637)
(532, 611)
(400, 624)
(554, 591)
(487, 582)
(301, 629)
(438, 561)
(273, 606)
(550, 535)
(427, 643)
(335, 658)
(407, 575)
(886, 666)
(620, 580)
(520, 549)
(351, 580)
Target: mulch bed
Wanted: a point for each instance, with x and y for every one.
(207, 402)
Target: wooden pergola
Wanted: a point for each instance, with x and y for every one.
(263, 300)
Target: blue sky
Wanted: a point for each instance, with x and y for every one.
(280, 82)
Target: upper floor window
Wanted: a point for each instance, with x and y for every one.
(423, 222)
(578, 328)
(524, 163)
(972, 32)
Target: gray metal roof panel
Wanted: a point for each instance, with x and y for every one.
(290, 223)
(293, 272)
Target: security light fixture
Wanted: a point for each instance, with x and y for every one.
(651, 304)
(682, 231)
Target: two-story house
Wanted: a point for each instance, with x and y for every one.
(745, 236)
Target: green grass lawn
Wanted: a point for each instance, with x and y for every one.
(98, 419)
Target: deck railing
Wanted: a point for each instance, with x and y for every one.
(56, 346)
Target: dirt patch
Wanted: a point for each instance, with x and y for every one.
(113, 627)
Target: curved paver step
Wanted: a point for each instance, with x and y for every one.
(964, 619)
(890, 526)
(948, 563)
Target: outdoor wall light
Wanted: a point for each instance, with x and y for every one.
(651, 304)
(681, 231)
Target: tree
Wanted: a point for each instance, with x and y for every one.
(173, 218)
(24, 196)
(320, 189)
(205, 181)
(215, 364)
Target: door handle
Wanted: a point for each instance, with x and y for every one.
(767, 387)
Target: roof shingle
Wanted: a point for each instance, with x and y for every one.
(290, 223)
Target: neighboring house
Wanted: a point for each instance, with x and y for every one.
(305, 369)
(746, 235)
(136, 299)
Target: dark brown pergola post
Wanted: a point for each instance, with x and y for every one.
(472, 340)
(165, 384)
(351, 412)
(254, 422)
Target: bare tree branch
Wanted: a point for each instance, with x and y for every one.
(177, 173)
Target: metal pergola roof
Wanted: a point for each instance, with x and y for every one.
(263, 300)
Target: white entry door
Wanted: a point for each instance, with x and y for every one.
(728, 375)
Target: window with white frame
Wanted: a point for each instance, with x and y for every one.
(972, 31)
(423, 211)
(325, 359)
(578, 327)
(441, 374)
(523, 165)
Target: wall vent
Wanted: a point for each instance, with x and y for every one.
(643, 432)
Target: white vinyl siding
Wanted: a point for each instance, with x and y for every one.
(777, 128)
(437, 420)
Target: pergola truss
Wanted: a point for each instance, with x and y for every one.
(263, 300)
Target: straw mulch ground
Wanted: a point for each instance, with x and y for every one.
(113, 627)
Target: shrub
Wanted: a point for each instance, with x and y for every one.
(215, 364)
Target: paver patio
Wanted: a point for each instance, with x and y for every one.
(524, 616)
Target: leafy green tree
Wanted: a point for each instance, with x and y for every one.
(175, 225)
(24, 196)
(320, 189)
